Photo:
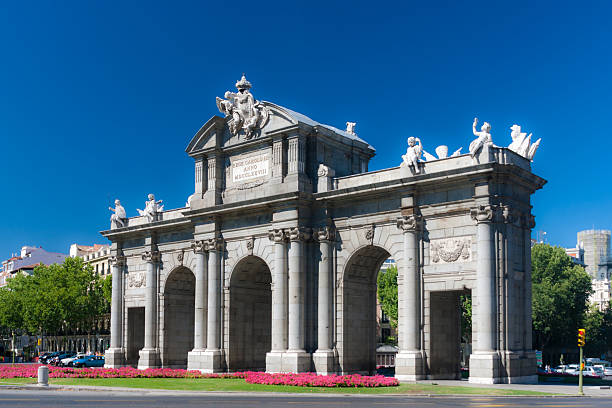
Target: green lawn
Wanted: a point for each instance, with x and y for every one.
(213, 384)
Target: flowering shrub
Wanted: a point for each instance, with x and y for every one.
(300, 380)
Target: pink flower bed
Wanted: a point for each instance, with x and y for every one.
(299, 380)
(314, 380)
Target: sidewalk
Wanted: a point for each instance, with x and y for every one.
(567, 389)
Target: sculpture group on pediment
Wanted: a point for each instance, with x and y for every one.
(247, 114)
(521, 143)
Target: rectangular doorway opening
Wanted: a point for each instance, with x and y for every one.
(135, 334)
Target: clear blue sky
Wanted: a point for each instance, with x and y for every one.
(99, 99)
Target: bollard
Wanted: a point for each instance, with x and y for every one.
(43, 376)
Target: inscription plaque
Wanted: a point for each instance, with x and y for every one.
(250, 168)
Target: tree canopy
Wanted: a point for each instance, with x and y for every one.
(387, 293)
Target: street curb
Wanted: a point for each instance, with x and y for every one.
(150, 391)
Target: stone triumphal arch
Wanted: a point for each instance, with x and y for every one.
(272, 263)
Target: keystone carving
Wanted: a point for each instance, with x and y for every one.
(369, 234)
(250, 244)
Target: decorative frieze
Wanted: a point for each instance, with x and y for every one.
(450, 250)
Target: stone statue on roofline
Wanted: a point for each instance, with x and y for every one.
(413, 154)
(152, 208)
(521, 143)
(119, 218)
(483, 138)
(247, 114)
(350, 127)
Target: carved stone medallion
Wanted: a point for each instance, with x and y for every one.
(450, 250)
(137, 279)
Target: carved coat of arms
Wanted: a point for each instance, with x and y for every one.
(451, 250)
(247, 114)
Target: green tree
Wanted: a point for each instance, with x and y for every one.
(598, 327)
(387, 293)
(466, 317)
(560, 294)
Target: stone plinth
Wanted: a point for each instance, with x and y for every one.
(149, 358)
(409, 366)
(114, 358)
(325, 362)
(211, 361)
(296, 362)
(274, 362)
(485, 368)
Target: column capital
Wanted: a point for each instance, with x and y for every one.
(326, 234)
(410, 223)
(116, 260)
(277, 235)
(215, 244)
(299, 234)
(151, 256)
(484, 213)
(199, 246)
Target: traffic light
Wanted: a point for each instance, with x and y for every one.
(581, 337)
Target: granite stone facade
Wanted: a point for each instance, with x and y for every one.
(272, 265)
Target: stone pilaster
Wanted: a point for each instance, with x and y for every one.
(213, 355)
(279, 302)
(324, 358)
(115, 355)
(485, 360)
(195, 358)
(296, 359)
(409, 360)
(149, 355)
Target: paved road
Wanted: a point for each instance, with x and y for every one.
(27, 398)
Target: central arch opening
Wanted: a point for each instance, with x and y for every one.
(179, 314)
(359, 310)
(250, 321)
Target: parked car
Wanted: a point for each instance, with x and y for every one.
(590, 371)
(608, 371)
(55, 360)
(89, 361)
(66, 361)
(42, 356)
(45, 359)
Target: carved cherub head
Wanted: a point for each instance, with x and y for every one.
(117, 202)
(151, 197)
(411, 141)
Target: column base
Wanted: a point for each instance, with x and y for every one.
(274, 362)
(296, 362)
(149, 358)
(325, 362)
(114, 358)
(195, 359)
(520, 367)
(211, 361)
(409, 366)
(485, 368)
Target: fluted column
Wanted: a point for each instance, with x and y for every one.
(529, 223)
(410, 313)
(296, 289)
(116, 263)
(215, 247)
(485, 279)
(201, 269)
